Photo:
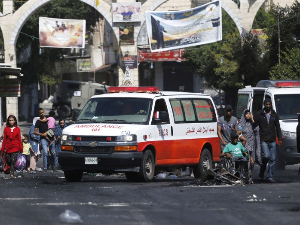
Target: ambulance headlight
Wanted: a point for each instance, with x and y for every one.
(66, 139)
(127, 138)
(288, 134)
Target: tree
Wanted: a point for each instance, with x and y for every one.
(289, 67)
(42, 66)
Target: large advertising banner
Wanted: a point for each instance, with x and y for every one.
(61, 33)
(127, 12)
(10, 88)
(179, 29)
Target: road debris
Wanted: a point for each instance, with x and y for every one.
(70, 217)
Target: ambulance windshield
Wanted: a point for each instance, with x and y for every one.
(287, 106)
(116, 110)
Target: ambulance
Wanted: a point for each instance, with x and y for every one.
(285, 98)
(141, 131)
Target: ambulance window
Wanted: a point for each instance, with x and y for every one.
(160, 105)
(177, 111)
(204, 110)
(242, 104)
(188, 110)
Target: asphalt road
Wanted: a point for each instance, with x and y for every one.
(41, 198)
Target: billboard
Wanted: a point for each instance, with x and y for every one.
(10, 88)
(84, 65)
(61, 33)
(180, 29)
(127, 12)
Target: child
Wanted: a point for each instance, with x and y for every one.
(235, 149)
(241, 137)
(51, 127)
(27, 149)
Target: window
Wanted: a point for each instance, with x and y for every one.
(160, 105)
(204, 110)
(188, 110)
(116, 110)
(177, 110)
(242, 104)
(257, 102)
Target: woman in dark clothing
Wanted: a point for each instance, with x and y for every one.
(251, 133)
(12, 144)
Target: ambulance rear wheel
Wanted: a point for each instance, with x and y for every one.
(205, 163)
(147, 168)
(73, 176)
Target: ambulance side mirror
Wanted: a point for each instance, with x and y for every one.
(160, 117)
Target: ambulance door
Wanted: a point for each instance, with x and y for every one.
(185, 129)
(163, 135)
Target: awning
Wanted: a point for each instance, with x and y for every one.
(5, 71)
(101, 68)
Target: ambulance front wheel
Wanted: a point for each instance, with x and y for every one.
(205, 163)
(147, 168)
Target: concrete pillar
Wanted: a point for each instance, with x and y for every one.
(8, 6)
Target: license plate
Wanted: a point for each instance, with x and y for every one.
(91, 160)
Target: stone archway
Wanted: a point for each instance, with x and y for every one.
(244, 16)
(12, 24)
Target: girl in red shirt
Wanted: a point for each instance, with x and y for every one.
(12, 143)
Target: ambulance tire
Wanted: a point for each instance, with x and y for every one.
(73, 176)
(147, 168)
(132, 176)
(205, 163)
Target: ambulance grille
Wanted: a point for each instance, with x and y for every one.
(98, 149)
(94, 138)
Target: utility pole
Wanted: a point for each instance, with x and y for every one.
(278, 41)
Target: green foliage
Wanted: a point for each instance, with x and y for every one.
(263, 19)
(44, 65)
(289, 67)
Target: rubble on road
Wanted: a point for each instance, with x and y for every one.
(218, 176)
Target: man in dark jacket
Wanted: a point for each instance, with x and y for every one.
(268, 121)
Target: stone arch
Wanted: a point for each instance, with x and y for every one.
(152, 7)
(244, 16)
(33, 5)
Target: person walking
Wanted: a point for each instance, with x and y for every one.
(41, 128)
(27, 151)
(57, 137)
(251, 133)
(226, 124)
(34, 142)
(12, 144)
(268, 121)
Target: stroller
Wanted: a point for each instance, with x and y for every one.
(239, 167)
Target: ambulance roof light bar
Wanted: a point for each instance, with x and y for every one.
(133, 89)
(272, 83)
(287, 84)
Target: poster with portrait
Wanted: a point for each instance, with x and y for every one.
(61, 33)
(127, 12)
(126, 34)
(180, 29)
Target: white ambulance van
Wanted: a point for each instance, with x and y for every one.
(141, 131)
(285, 98)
